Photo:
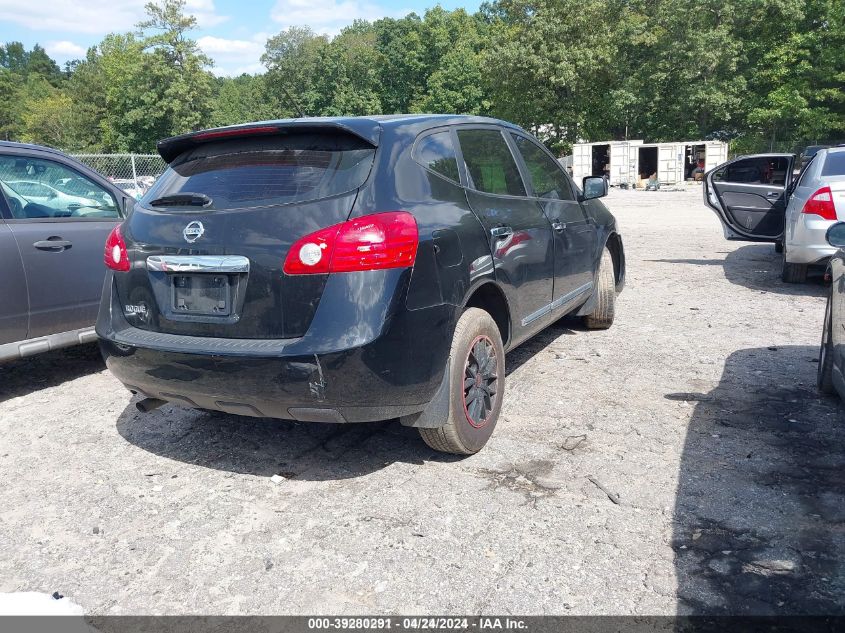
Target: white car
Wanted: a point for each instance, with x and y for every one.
(26, 191)
(136, 190)
(758, 199)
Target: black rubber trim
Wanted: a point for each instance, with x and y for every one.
(311, 414)
(180, 343)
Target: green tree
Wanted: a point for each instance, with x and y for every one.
(553, 64)
(180, 69)
(294, 59)
(9, 104)
(22, 62)
(14, 57)
(40, 63)
(48, 118)
(243, 99)
(402, 73)
(797, 91)
(88, 90)
(156, 83)
(348, 78)
(454, 42)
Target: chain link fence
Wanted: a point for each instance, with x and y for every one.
(134, 173)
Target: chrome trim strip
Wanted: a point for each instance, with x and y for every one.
(198, 263)
(561, 301)
(557, 303)
(536, 315)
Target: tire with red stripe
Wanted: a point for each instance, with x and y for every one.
(477, 385)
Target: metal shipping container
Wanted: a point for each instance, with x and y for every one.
(629, 162)
(616, 159)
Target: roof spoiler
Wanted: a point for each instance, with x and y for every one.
(365, 129)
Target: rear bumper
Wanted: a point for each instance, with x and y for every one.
(805, 240)
(390, 366)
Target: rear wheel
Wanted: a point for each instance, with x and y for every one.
(602, 317)
(825, 370)
(477, 386)
(793, 273)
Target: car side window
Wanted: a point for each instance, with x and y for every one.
(437, 153)
(490, 165)
(755, 170)
(547, 179)
(37, 188)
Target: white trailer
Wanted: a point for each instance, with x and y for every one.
(716, 153)
(680, 161)
(616, 159)
(629, 162)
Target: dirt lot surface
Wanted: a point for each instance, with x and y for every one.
(681, 462)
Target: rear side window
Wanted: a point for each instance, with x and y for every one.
(255, 172)
(834, 164)
(437, 153)
(490, 165)
(806, 170)
(547, 179)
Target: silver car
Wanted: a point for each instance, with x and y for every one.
(758, 199)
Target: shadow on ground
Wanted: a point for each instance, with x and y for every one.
(25, 376)
(295, 450)
(266, 447)
(567, 326)
(760, 507)
(757, 266)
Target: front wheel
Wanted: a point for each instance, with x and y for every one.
(601, 317)
(476, 386)
(825, 369)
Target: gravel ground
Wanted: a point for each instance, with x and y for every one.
(680, 462)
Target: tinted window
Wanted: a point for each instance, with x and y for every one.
(547, 179)
(437, 153)
(759, 170)
(270, 171)
(834, 164)
(489, 162)
(39, 188)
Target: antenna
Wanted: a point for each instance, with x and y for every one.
(296, 107)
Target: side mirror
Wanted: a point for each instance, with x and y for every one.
(835, 235)
(594, 187)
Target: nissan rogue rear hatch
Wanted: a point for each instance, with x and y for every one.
(208, 241)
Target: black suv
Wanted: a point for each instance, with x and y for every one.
(352, 270)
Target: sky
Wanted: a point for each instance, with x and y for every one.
(231, 32)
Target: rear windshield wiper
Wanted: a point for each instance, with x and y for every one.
(182, 200)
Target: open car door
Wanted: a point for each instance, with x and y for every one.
(749, 196)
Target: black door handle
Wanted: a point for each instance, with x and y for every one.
(53, 244)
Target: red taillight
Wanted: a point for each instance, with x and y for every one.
(821, 203)
(115, 255)
(371, 242)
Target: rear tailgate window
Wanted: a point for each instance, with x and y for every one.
(268, 171)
